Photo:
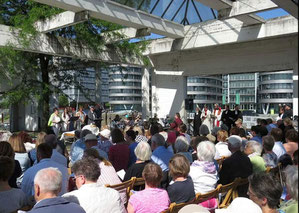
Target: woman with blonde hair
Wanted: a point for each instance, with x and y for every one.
(20, 154)
(39, 140)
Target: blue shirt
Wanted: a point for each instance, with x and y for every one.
(27, 185)
(162, 156)
(257, 139)
(132, 158)
(101, 152)
(77, 150)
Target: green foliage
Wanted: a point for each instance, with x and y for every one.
(63, 101)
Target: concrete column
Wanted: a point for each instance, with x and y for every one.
(145, 85)
(169, 91)
(98, 89)
(295, 90)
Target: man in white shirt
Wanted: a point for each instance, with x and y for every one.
(43, 153)
(278, 148)
(94, 198)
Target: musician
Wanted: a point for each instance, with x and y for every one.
(81, 115)
(196, 121)
(98, 111)
(217, 116)
(206, 117)
(54, 121)
(237, 114)
(227, 117)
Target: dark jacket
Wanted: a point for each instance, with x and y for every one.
(57, 205)
(227, 118)
(238, 165)
(196, 123)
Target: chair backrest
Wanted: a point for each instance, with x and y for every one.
(139, 182)
(207, 196)
(174, 207)
(220, 161)
(123, 187)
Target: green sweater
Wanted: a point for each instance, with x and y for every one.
(258, 164)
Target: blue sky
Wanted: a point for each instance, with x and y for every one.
(266, 15)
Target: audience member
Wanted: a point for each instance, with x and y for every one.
(44, 153)
(253, 150)
(181, 189)
(222, 145)
(291, 205)
(241, 205)
(203, 170)
(204, 131)
(119, 153)
(287, 125)
(194, 143)
(91, 142)
(26, 139)
(237, 165)
(91, 196)
(288, 112)
(295, 158)
(291, 144)
(6, 150)
(130, 137)
(11, 199)
(104, 142)
(265, 190)
(183, 132)
(20, 155)
(181, 146)
(160, 155)
(278, 148)
(151, 199)
(39, 140)
(77, 148)
(47, 185)
(269, 156)
(270, 125)
(56, 156)
(255, 133)
(143, 154)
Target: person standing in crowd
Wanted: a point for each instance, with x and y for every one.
(227, 117)
(288, 112)
(47, 185)
(217, 116)
(54, 121)
(196, 121)
(65, 116)
(269, 156)
(92, 116)
(177, 121)
(81, 115)
(265, 190)
(206, 117)
(237, 114)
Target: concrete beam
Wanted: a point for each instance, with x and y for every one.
(246, 7)
(61, 20)
(120, 14)
(288, 5)
(217, 4)
(217, 33)
(58, 46)
(125, 34)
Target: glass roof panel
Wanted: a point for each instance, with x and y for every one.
(181, 11)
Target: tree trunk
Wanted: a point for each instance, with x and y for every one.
(46, 92)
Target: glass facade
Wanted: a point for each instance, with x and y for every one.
(205, 90)
(125, 88)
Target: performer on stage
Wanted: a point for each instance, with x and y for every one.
(217, 116)
(196, 121)
(227, 117)
(177, 121)
(80, 121)
(98, 111)
(206, 117)
(65, 116)
(54, 121)
(92, 116)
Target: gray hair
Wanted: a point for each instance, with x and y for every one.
(291, 173)
(158, 139)
(143, 151)
(255, 146)
(49, 180)
(181, 144)
(204, 130)
(206, 151)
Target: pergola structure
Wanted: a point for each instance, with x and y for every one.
(234, 39)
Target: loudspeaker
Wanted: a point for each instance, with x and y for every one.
(189, 104)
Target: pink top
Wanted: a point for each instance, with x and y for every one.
(150, 200)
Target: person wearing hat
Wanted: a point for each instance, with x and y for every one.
(104, 142)
(91, 141)
(241, 204)
(237, 165)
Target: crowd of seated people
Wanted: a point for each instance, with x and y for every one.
(44, 176)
